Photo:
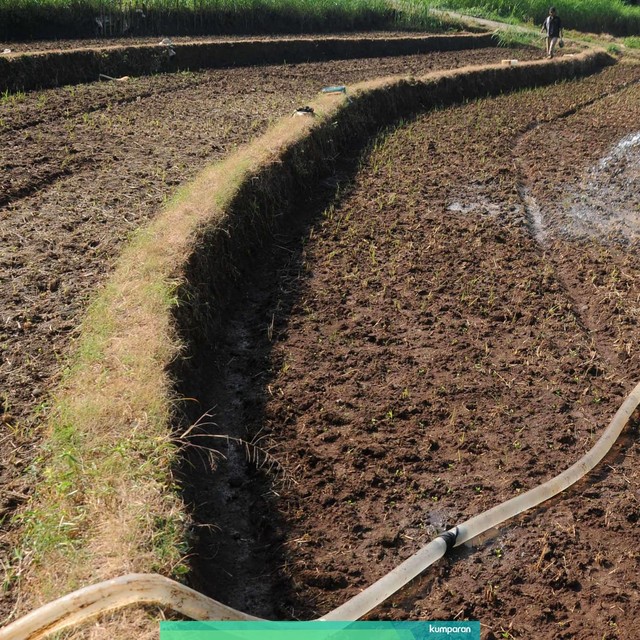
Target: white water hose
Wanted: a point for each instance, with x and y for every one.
(158, 590)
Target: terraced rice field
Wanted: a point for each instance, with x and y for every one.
(458, 326)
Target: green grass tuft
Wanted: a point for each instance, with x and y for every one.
(511, 38)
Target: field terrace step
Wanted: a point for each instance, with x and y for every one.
(39, 70)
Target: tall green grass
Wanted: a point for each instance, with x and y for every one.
(32, 19)
(594, 16)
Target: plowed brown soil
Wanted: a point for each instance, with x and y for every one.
(452, 333)
(427, 354)
(82, 167)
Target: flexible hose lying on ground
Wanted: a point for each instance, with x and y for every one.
(155, 589)
(379, 591)
(134, 588)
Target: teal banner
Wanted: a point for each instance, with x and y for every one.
(318, 630)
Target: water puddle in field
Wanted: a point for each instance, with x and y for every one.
(481, 206)
(605, 203)
(625, 144)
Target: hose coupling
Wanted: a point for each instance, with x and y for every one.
(450, 538)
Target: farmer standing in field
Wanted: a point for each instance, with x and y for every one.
(553, 26)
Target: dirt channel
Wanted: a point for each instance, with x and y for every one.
(81, 168)
(459, 325)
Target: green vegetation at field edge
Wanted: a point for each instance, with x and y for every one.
(592, 16)
(40, 19)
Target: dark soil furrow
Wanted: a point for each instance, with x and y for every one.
(79, 110)
(573, 109)
(11, 194)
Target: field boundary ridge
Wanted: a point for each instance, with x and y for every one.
(46, 69)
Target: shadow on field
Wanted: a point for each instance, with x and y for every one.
(239, 536)
(240, 283)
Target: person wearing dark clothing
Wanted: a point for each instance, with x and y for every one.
(553, 28)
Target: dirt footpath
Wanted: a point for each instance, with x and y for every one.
(457, 329)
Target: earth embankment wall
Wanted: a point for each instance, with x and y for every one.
(39, 70)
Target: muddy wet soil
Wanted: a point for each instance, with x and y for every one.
(83, 167)
(429, 350)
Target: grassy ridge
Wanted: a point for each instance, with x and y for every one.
(594, 16)
(33, 19)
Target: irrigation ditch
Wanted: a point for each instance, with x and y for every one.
(129, 145)
(223, 227)
(232, 259)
